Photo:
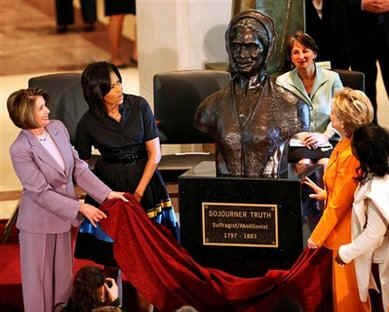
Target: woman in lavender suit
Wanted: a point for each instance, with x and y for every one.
(46, 165)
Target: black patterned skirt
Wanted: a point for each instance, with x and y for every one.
(92, 243)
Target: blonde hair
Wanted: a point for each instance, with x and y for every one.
(21, 107)
(353, 108)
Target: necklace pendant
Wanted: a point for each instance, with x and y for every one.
(43, 137)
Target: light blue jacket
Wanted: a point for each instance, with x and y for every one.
(326, 83)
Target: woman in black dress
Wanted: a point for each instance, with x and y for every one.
(123, 129)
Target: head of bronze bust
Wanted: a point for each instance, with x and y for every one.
(249, 41)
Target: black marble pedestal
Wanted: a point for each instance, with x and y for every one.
(222, 226)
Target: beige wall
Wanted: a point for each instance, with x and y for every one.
(383, 103)
(8, 131)
(179, 34)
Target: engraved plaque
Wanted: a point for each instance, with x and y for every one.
(239, 224)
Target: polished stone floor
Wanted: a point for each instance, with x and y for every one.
(30, 43)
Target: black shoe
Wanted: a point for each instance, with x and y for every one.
(62, 29)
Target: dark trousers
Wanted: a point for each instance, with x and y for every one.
(65, 13)
(312, 209)
(331, 32)
(375, 297)
(371, 46)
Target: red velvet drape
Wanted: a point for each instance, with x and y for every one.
(168, 277)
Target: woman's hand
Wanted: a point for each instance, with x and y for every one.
(111, 289)
(319, 194)
(118, 195)
(153, 157)
(314, 139)
(376, 6)
(92, 213)
(311, 244)
(303, 164)
(301, 136)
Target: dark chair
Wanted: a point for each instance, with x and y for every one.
(66, 100)
(176, 98)
(352, 79)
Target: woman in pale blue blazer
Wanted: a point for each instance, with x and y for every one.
(48, 167)
(316, 86)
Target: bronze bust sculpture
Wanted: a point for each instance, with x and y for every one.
(252, 118)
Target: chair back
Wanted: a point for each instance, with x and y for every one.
(352, 79)
(176, 98)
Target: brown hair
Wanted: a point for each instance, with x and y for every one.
(304, 39)
(353, 108)
(21, 106)
(85, 295)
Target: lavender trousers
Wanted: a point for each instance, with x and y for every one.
(46, 269)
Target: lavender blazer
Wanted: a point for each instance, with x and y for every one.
(49, 203)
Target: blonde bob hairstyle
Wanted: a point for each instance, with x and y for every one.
(21, 107)
(353, 108)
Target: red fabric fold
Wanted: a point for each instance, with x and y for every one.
(167, 276)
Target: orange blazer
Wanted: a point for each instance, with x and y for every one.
(334, 227)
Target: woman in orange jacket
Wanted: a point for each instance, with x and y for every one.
(350, 110)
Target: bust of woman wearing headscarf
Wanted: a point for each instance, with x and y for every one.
(252, 118)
